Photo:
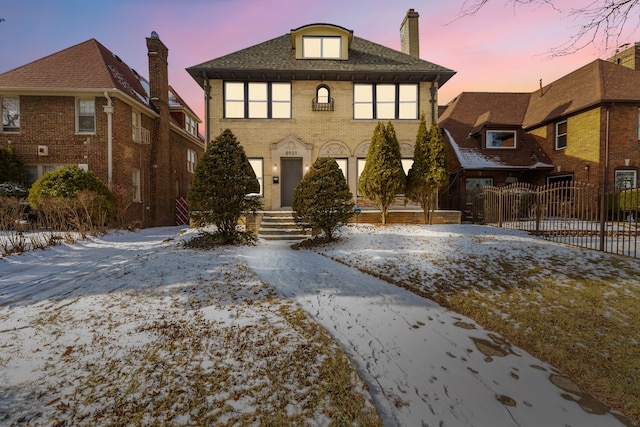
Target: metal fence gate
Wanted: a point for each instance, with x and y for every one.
(573, 213)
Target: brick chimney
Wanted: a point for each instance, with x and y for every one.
(627, 55)
(162, 203)
(409, 34)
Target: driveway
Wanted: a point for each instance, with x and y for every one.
(425, 365)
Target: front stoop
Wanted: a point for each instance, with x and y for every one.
(280, 226)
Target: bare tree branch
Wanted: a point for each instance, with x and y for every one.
(606, 22)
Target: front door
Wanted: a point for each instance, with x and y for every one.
(291, 176)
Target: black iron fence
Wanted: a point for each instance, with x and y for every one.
(573, 213)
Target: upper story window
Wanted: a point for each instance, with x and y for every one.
(86, 115)
(501, 139)
(561, 135)
(192, 159)
(323, 100)
(248, 100)
(385, 101)
(191, 125)
(321, 47)
(11, 114)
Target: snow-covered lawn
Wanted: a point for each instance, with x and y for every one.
(131, 327)
(576, 309)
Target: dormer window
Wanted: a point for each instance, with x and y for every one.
(501, 139)
(321, 47)
(191, 125)
(321, 41)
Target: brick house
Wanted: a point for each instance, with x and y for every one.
(318, 91)
(583, 127)
(84, 106)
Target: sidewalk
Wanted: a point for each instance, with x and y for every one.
(425, 365)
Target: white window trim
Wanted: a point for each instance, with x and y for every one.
(192, 160)
(4, 115)
(85, 132)
(136, 185)
(557, 135)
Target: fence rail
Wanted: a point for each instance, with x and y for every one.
(573, 213)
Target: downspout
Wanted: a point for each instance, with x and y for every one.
(603, 194)
(207, 97)
(434, 99)
(109, 110)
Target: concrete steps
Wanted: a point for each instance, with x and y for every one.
(281, 226)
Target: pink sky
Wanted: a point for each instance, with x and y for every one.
(498, 49)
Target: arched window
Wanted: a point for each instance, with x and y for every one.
(322, 94)
(323, 100)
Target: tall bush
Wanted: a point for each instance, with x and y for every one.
(11, 169)
(383, 177)
(322, 199)
(429, 170)
(223, 182)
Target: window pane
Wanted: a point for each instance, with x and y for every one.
(311, 47)
(342, 164)
(234, 110)
(234, 91)
(281, 91)
(322, 95)
(257, 91)
(408, 93)
(362, 111)
(406, 165)
(386, 111)
(258, 109)
(385, 93)
(331, 47)
(11, 114)
(501, 139)
(362, 93)
(258, 169)
(281, 110)
(408, 111)
(386, 101)
(625, 179)
(86, 106)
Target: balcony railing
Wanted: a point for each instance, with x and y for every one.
(322, 105)
(141, 135)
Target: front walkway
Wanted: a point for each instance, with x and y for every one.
(425, 365)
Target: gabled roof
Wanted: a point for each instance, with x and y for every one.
(88, 65)
(596, 83)
(471, 112)
(275, 59)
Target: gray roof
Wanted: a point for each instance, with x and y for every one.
(275, 60)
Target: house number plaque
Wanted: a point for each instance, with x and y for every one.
(290, 153)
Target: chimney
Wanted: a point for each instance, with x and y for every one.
(627, 55)
(161, 203)
(409, 36)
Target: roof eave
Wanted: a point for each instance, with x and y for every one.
(200, 74)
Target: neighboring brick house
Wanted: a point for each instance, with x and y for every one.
(582, 127)
(84, 106)
(318, 91)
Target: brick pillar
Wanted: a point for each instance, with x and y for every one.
(162, 203)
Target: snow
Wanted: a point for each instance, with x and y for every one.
(97, 300)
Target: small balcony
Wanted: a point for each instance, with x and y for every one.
(322, 104)
(141, 135)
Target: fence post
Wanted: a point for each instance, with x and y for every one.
(538, 210)
(500, 206)
(603, 213)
